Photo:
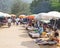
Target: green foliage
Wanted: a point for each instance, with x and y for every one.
(15, 7)
(55, 5)
(38, 6)
(20, 7)
(5, 6)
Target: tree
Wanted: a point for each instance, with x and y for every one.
(20, 7)
(15, 7)
(38, 6)
(5, 6)
(55, 5)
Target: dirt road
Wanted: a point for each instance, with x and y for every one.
(15, 37)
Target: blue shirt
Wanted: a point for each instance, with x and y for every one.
(40, 30)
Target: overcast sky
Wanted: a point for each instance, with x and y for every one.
(28, 1)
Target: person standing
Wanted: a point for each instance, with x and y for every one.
(13, 20)
(9, 22)
(17, 21)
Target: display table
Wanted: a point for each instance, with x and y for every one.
(45, 43)
(34, 34)
(31, 28)
(47, 46)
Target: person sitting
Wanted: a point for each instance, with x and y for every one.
(44, 34)
(40, 30)
(52, 38)
(56, 34)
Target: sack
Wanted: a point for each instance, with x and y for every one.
(43, 33)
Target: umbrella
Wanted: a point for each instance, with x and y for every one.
(22, 16)
(13, 15)
(31, 17)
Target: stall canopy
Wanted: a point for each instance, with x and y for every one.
(48, 16)
(31, 17)
(13, 15)
(4, 14)
(22, 16)
(41, 16)
(54, 14)
(1, 14)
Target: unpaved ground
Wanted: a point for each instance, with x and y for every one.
(15, 37)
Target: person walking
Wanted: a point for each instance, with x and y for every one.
(13, 20)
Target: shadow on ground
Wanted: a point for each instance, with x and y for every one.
(32, 44)
(29, 44)
(24, 36)
(4, 27)
(22, 29)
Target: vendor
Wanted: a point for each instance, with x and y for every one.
(30, 22)
(56, 34)
(33, 22)
(44, 34)
(40, 30)
(51, 38)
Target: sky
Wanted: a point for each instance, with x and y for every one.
(28, 1)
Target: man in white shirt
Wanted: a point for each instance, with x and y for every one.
(9, 22)
(17, 21)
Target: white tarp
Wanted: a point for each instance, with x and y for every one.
(54, 14)
(4, 14)
(48, 16)
(1, 14)
(42, 16)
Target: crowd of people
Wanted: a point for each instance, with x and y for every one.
(10, 20)
(45, 30)
(16, 21)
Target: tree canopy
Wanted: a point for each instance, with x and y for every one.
(20, 7)
(38, 6)
(55, 5)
